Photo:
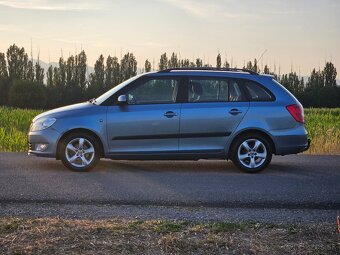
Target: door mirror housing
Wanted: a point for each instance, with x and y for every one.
(122, 100)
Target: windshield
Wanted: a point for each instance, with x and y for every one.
(109, 93)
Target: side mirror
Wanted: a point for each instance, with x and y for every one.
(122, 100)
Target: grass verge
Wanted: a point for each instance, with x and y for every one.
(323, 126)
(65, 236)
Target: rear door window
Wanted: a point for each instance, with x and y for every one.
(257, 92)
(214, 90)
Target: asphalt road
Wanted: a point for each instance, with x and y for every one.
(293, 182)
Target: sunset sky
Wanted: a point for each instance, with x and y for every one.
(302, 34)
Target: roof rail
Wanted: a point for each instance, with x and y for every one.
(209, 69)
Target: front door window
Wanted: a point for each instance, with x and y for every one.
(154, 91)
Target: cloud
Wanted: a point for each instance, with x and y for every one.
(212, 11)
(196, 8)
(48, 5)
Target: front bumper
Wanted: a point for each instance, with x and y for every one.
(48, 137)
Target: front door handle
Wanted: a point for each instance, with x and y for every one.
(235, 111)
(170, 114)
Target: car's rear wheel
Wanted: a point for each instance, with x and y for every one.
(79, 152)
(251, 153)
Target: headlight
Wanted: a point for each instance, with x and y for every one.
(42, 124)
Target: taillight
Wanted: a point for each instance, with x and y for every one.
(297, 112)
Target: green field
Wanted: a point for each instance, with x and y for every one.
(323, 126)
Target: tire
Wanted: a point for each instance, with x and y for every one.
(251, 153)
(79, 151)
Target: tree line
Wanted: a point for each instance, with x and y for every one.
(25, 84)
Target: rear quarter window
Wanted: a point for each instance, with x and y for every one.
(257, 93)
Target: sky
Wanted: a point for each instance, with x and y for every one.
(298, 35)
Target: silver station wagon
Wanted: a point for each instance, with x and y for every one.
(181, 114)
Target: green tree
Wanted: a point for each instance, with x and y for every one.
(147, 66)
(163, 62)
(251, 66)
(226, 64)
(218, 61)
(255, 67)
(56, 78)
(71, 92)
(49, 76)
(58, 81)
(116, 72)
(17, 62)
(4, 87)
(97, 78)
(70, 71)
(62, 73)
(99, 73)
(199, 62)
(185, 63)
(26, 94)
(316, 80)
(39, 73)
(51, 90)
(266, 70)
(3, 67)
(329, 73)
(81, 67)
(173, 61)
(108, 72)
(128, 66)
(30, 72)
(4, 82)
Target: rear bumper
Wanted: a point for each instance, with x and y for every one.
(291, 144)
(308, 145)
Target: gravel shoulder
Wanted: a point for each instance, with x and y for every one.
(195, 214)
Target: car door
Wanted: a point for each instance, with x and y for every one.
(214, 108)
(149, 121)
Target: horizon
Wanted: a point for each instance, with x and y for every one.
(302, 35)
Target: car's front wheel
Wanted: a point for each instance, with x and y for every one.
(79, 152)
(251, 153)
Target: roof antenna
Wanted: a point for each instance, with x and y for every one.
(261, 58)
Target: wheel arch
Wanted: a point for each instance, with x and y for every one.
(252, 131)
(77, 130)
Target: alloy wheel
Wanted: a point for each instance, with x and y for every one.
(80, 152)
(252, 153)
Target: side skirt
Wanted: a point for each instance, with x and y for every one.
(187, 155)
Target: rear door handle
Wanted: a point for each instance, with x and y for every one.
(170, 114)
(235, 111)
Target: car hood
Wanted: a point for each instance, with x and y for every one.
(64, 111)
